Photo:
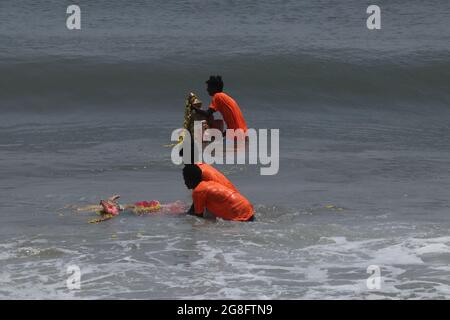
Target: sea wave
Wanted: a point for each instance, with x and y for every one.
(61, 84)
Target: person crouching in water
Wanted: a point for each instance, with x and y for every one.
(227, 106)
(217, 199)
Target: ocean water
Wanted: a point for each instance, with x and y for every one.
(364, 173)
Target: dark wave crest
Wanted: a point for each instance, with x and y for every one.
(77, 83)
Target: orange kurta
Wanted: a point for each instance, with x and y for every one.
(221, 201)
(231, 113)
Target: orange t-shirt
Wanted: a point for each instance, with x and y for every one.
(209, 173)
(231, 113)
(221, 201)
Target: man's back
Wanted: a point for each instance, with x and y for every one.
(221, 201)
(209, 173)
(230, 110)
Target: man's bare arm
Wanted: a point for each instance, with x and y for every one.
(191, 211)
(206, 113)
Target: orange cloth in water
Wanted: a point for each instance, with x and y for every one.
(231, 113)
(209, 173)
(221, 201)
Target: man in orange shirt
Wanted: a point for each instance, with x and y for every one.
(218, 199)
(209, 173)
(231, 113)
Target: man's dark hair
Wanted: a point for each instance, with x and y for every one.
(215, 82)
(192, 173)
